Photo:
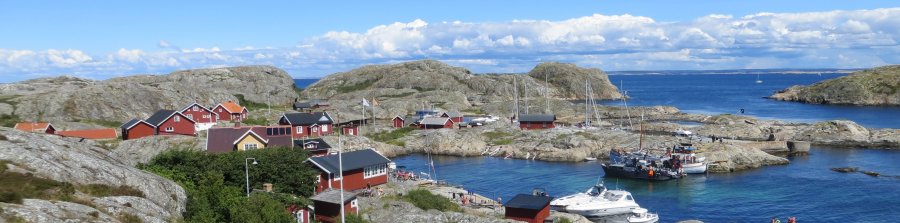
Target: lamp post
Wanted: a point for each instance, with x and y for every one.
(247, 172)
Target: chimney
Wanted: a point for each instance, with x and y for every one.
(267, 187)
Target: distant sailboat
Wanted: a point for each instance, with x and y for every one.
(758, 81)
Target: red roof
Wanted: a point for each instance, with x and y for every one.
(232, 107)
(32, 126)
(90, 133)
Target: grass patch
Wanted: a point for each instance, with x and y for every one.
(102, 190)
(392, 137)
(249, 104)
(354, 218)
(563, 137)
(399, 95)
(16, 186)
(3, 167)
(498, 138)
(355, 87)
(129, 218)
(427, 201)
(564, 220)
(476, 111)
(587, 135)
(256, 121)
(9, 120)
(109, 144)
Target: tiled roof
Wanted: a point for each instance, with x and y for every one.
(32, 126)
(537, 118)
(350, 160)
(232, 107)
(527, 201)
(90, 133)
(308, 118)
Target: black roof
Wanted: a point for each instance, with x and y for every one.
(528, 201)
(351, 160)
(537, 118)
(129, 123)
(309, 118)
(301, 105)
(160, 116)
(322, 144)
(333, 196)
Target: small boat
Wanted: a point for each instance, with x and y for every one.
(595, 192)
(689, 161)
(640, 215)
(590, 159)
(758, 81)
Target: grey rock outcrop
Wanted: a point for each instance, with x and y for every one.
(66, 98)
(878, 86)
(135, 151)
(85, 162)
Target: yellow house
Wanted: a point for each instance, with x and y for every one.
(250, 141)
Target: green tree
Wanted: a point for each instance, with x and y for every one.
(260, 208)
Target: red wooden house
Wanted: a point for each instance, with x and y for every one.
(230, 111)
(361, 168)
(436, 123)
(42, 127)
(314, 124)
(398, 122)
(137, 128)
(453, 115)
(352, 130)
(200, 114)
(228, 139)
(537, 121)
(170, 122)
(528, 208)
(328, 205)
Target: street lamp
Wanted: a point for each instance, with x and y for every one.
(247, 172)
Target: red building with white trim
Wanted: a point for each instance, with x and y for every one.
(537, 121)
(230, 111)
(170, 122)
(328, 205)
(436, 123)
(398, 122)
(137, 128)
(314, 124)
(361, 168)
(456, 116)
(200, 114)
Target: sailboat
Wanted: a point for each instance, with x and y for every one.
(758, 81)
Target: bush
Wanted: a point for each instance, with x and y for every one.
(498, 138)
(11, 197)
(256, 121)
(249, 104)
(16, 186)
(354, 218)
(427, 201)
(392, 137)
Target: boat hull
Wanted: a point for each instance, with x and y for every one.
(597, 213)
(695, 168)
(628, 172)
(643, 220)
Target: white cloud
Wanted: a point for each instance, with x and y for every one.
(860, 38)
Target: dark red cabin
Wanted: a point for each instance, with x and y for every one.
(528, 208)
(537, 121)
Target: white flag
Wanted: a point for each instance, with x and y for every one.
(365, 102)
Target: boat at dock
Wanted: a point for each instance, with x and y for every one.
(641, 215)
(689, 162)
(596, 202)
(639, 165)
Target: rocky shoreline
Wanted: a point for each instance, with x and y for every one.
(879, 86)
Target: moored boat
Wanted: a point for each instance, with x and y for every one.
(639, 166)
(641, 215)
(689, 162)
(613, 202)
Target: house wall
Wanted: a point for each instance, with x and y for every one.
(197, 116)
(249, 139)
(224, 115)
(350, 130)
(457, 119)
(139, 130)
(354, 180)
(526, 215)
(182, 127)
(328, 212)
(536, 125)
(50, 130)
(398, 123)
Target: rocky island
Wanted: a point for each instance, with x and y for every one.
(877, 86)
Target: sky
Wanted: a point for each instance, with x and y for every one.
(104, 39)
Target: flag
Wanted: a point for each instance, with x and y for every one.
(374, 102)
(365, 102)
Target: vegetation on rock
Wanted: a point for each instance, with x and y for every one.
(878, 86)
(426, 200)
(392, 137)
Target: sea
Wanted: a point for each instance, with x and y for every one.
(806, 188)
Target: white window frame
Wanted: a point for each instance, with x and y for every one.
(353, 203)
(196, 108)
(190, 116)
(336, 177)
(374, 171)
(248, 146)
(170, 129)
(324, 128)
(314, 129)
(299, 129)
(177, 118)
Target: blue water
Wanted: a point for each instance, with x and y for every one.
(303, 83)
(806, 189)
(728, 93)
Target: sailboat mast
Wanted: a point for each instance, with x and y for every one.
(547, 92)
(516, 92)
(587, 120)
(624, 95)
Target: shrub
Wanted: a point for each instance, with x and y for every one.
(9, 120)
(256, 121)
(16, 186)
(498, 138)
(426, 201)
(249, 104)
(354, 218)
(11, 197)
(392, 137)
(102, 190)
(565, 220)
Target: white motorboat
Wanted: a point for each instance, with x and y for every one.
(690, 162)
(560, 204)
(612, 202)
(590, 159)
(682, 132)
(640, 215)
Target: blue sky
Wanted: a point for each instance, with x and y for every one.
(102, 39)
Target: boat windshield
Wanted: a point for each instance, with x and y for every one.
(596, 190)
(612, 197)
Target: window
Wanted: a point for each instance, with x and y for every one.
(374, 170)
(205, 116)
(190, 116)
(196, 108)
(170, 129)
(220, 110)
(325, 128)
(251, 146)
(628, 197)
(353, 203)
(283, 131)
(177, 118)
(299, 129)
(314, 129)
(269, 131)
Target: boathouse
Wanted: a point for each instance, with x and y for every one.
(204, 117)
(528, 208)
(453, 115)
(436, 123)
(137, 128)
(313, 124)
(351, 130)
(230, 111)
(316, 146)
(361, 168)
(90, 133)
(327, 205)
(41, 127)
(227, 139)
(397, 122)
(537, 121)
(171, 122)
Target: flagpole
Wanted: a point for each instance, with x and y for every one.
(341, 170)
